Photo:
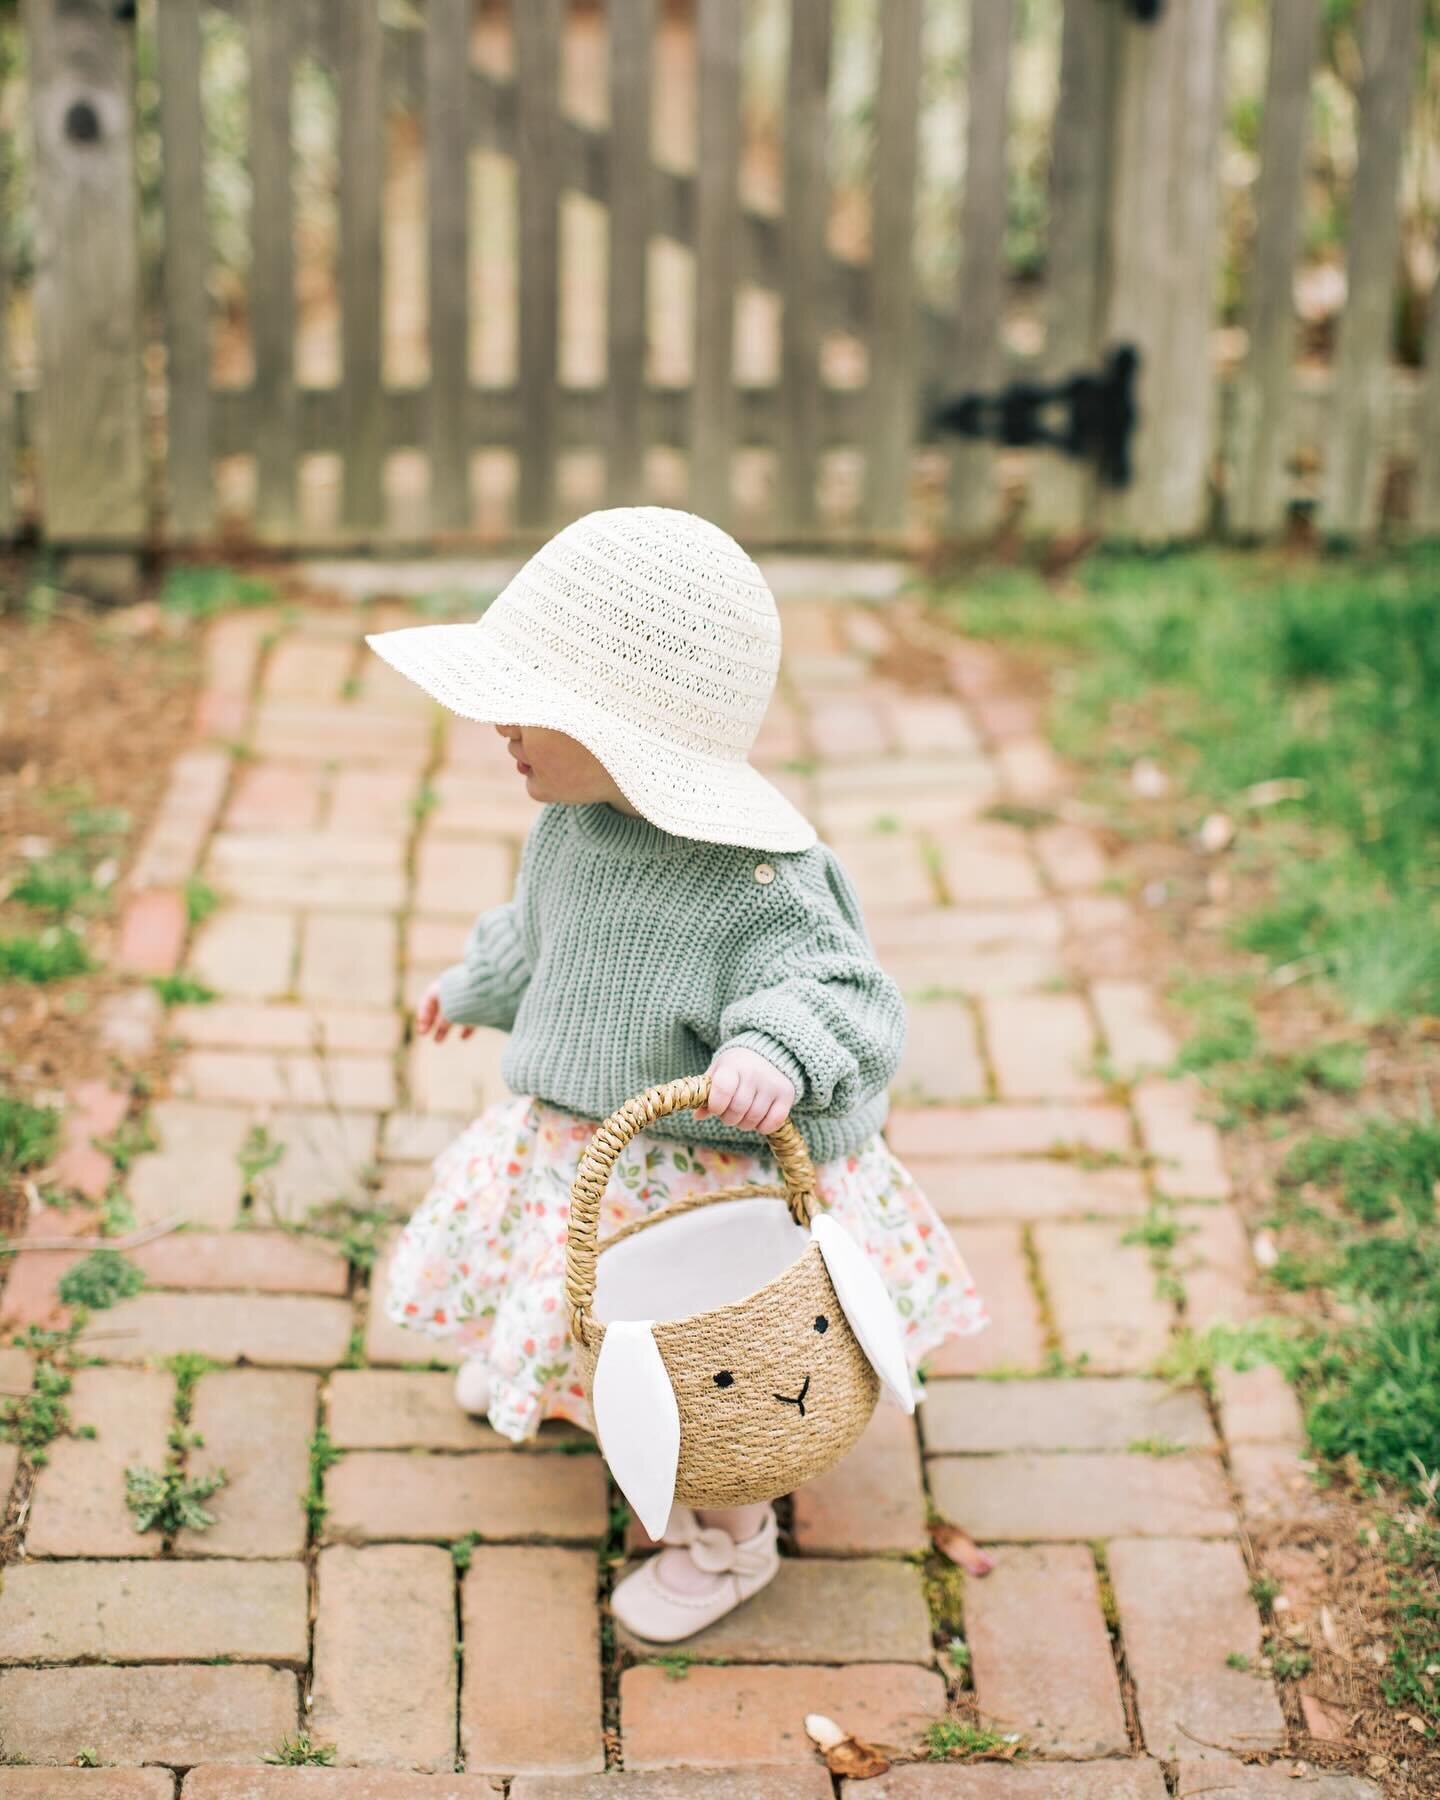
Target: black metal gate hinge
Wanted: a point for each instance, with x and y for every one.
(1097, 415)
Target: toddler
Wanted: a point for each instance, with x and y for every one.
(673, 914)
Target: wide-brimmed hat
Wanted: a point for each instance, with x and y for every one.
(651, 637)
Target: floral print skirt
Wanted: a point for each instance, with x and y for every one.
(482, 1261)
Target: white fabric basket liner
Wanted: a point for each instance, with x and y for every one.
(709, 1257)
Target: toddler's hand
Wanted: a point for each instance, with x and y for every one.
(747, 1092)
(428, 1016)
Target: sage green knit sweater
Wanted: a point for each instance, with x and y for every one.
(628, 957)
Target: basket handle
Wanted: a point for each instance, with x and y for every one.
(593, 1177)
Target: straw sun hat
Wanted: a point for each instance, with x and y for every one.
(651, 637)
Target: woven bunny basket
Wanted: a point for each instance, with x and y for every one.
(733, 1345)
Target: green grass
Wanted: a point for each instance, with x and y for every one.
(203, 591)
(40, 958)
(1240, 670)
(302, 1752)
(29, 1135)
(32, 1421)
(200, 900)
(957, 1740)
(1412, 1554)
(57, 886)
(182, 990)
(323, 1457)
(99, 1280)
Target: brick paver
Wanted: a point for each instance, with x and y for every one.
(977, 1417)
(303, 1330)
(1007, 1129)
(522, 1494)
(393, 1409)
(1016, 1337)
(1041, 1046)
(274, 1262)
(196, 1170)
(825, 1610)
(1040, 1653)
(775, 1781)
(873, 1500)
(86, 1784)
(1027, 1499)
(1032, 1187)
(1184, 1609)
(360, 834)
(384, 1689)
(1225, 1778)
(1134, 1780)
(758, 1714)
(164, 1713)
(246, 952)
(1103, 1296)
(337, 1783)
(78, 1507)
(256, 1425)
(531, 1700)
(122, 1612)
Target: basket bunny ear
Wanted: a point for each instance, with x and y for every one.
(867, 1305)
(637, 1421)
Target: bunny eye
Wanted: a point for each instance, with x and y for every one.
(724, 1379)
(822, 1324)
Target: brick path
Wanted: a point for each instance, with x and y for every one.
(352, 834)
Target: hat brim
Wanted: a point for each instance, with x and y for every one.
(715, 800)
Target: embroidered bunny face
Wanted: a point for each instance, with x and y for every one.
(744, 1402)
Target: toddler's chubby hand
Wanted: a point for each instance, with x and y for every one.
(747, 1092)
(428, 1017)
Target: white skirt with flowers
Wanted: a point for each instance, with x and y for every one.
(482, 1261)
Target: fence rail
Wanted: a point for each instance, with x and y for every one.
(108, 442)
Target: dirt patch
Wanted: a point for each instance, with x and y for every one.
(94, 706)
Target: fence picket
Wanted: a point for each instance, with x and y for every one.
(272, 279)
(892, 376)
(187, 255)
(632, 28)
(1061, 493)
(1389, 36)
(362, 157)
(980, 288)
(7, 379)
(1426, 519)
(806, 203)
(1255, 497)
(447, 185)
(87, 280)
(717, 216)
(537, 27)
(1162, 259)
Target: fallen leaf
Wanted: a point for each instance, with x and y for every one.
(1416, 1723)
(1264, 1249)
(1320, 1722)
(857, 1760)
(844, 1755)
(1330, 1633)
(960, 1548)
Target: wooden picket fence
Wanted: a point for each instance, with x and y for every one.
(114, 445)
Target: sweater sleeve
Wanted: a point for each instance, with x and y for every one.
(808, 994)
(487, 986)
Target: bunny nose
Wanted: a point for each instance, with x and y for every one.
(795, 1399)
